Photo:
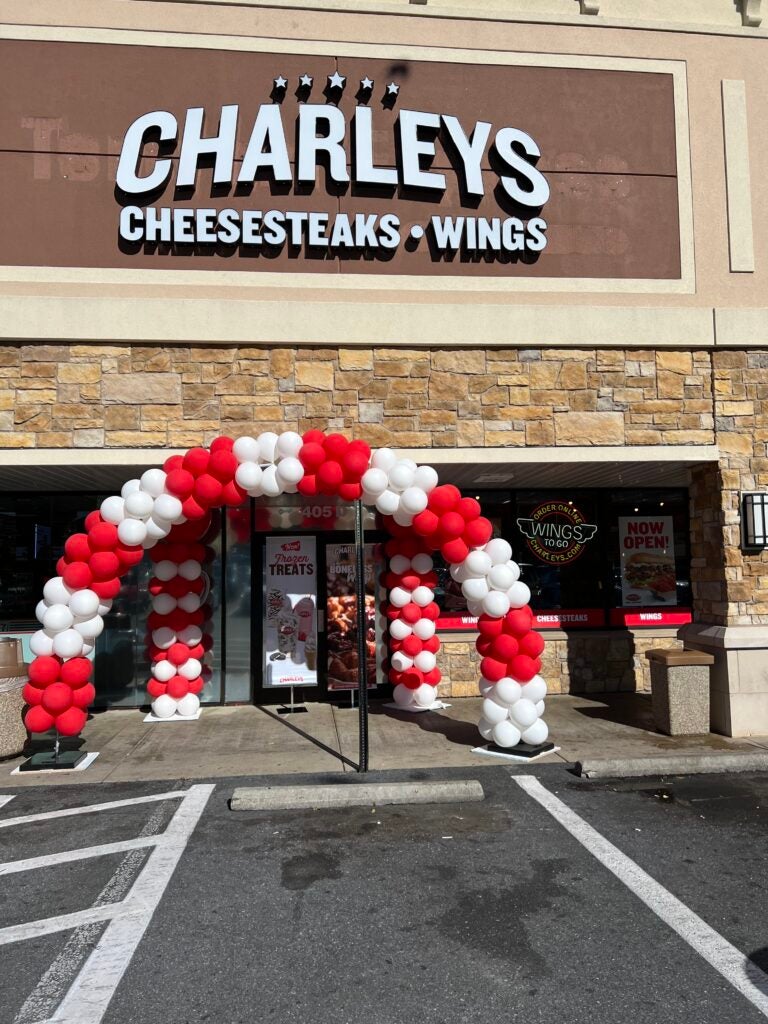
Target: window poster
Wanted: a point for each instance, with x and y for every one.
(290, 611)
(341, 635)
(647, 560)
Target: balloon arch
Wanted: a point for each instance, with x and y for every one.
(167, 512)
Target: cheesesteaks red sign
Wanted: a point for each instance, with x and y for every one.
(556, 532)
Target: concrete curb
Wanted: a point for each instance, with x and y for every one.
(283, 798)
(674, 764)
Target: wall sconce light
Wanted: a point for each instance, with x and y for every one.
(754, 521)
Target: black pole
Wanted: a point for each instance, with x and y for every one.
(362, 635)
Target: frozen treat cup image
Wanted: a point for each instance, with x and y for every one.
(286, 633)
(310, 652)
(305, 611)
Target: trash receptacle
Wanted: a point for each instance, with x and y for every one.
(13, 676)
(680, 690)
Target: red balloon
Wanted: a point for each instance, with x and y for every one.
(433, 677)
(32, 694)
(354, 463)
(77, 548)
(57, 697)
(196, 461)
(76, 672)
(44, 670)
(410, 613)
(129, 555)
(155, 688)
(180, 483)
(71, 721)
(410, 580)
(77, 576)
(412, 678)
(517, 621)
(469, 509)
(329, 476)
(431, 611)
(106, 589)
(178, 687)
(313, 437)
(335, 445)
(312, 456)
(532, 644)
(37, 719)
(454, 551)
(222, 444)
(350, 492)
(233, 494)
(84, 696)
(489, 626)
(492, 669)
(522, 668)
(61, 565)
(192, 509)
(425, 523)
(196, 652)
(104, 565)
(360, 446)
(173, 462)
(207, 490)
(444, 499)
(504, 647)
(484, 645)
(478, 532)
(92, 519)
(307, 486)
(103, 537)
(223, 465)
(196, 685)
(178, 653)
(412, 646)
(433, 644)
(452, 525)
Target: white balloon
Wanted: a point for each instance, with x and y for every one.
(519, 595)
(475, 607)
(383, 458)
(248, 476)
(425, 661)
(289, 444)
(495, 604)
(163, 671)
(402, 518)
(68, 644)
(458, 572)
(190, 570)
(246, 449)
(508, 691)
(425, 695)
(498, 550)
(270, 484)
(166, 570)
(485, 686)
(485, 728)
(422, 596)
(113, 509)
(139, 505)
(163, 637)
(426, 478)
(164, 706)
(540, 708)
(267, 446)
(474, 589)
(400, 476)
(163, 604)
(189, 602)
(40, 643)
(56, 591)
(410, 463)
(402, 695)
(367, 498)
(40, 609)
(537, 733)
(523, 713)
(87, 650)
(157, 529)
(374, 481)
(493, 712)
(290, 470)
(90, 628)
(191, 668)
(153, 482)
(388, 503)
(413, 500)
(422, 563)
(105, 607)
(501, 577)
(189, 705)
(506, 734)
(190, 635)
(400, 662)
(168, 507)
(84, 604)
(132, 531)
(130, 487)
(477, 563)
(399, 597)
(424, 629)
(535, 689)
(57, 618)
(399, 564)
(399, 629)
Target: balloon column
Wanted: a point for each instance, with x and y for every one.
(168, 511)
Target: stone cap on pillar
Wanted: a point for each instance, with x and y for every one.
(674, 656)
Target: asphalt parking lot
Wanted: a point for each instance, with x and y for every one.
(554, 899)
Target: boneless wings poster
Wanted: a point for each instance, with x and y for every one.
(647, 560)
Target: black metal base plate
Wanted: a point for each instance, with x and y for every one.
(523, 749)
(295, 710)
(47, 761)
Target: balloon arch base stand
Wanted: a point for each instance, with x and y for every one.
(57, 760)
(150, 717)
(523, 752)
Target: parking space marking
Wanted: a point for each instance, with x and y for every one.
(25, 819)
(5, 799)
(60, 923)
(47, 860)
(731, 963)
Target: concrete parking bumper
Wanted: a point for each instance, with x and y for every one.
(675, 764)
(284, 798)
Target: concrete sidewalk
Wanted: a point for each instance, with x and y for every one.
(249, 741)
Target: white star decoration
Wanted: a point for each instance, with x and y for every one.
(393, 89)
(366, 83)
(280, 82)
(305, 81)
(336, 81)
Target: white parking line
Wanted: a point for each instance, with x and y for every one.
(61, 923)
(25, 819)
(733, 965)
(47, 860)
(5, 800)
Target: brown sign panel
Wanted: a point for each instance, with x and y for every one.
(606, 141)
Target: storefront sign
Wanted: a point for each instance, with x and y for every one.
(654, 617)
(341, 629)
(290, 612)
(556, 532)
(647, 547)
(561, 618)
